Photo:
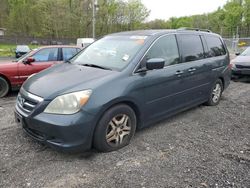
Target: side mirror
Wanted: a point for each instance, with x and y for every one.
(29, 60)
(155, 63)
(237, 53)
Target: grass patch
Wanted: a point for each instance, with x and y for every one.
(7, 50)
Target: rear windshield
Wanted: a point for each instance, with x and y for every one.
(113, 52)
(23, 48)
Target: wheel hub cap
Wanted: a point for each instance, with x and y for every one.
(118, 129)
(216, 93)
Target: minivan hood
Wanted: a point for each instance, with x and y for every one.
(63, 78)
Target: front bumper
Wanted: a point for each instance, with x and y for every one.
(240, 72)
(62, 132)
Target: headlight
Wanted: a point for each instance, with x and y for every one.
(69, 103)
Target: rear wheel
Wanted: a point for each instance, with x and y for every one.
(215, 94)
(4, 87)
(115, 129)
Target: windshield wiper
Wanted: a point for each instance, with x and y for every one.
(96, 66)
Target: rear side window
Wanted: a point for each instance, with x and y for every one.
(68, 53)
(165, 48)
(47, 54)
(191, 47)
(215, 46)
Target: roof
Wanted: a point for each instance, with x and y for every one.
(59, 46)
(150, 32)
(155, 32)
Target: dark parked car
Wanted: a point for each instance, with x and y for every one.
(21, 50)
(241, 64)
(14, 73)
(120, 83)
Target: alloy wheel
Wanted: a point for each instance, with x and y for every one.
(216, 93)
(118, 129)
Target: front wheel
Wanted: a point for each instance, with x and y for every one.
(215, 94)
(115, 129)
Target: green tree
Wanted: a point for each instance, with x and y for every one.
(246, 16)
(233, 15)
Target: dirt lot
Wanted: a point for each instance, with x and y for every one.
(202, 147)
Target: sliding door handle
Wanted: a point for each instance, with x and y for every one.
(179, 73)
(191, 69)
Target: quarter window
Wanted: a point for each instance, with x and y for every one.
(165, 48)
(215, 46)
(47, 54)
(192, 48)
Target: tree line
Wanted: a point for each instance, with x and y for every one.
(73, 18)
(69, 18)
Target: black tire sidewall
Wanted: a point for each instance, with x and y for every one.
(4, 88)
(99, 140)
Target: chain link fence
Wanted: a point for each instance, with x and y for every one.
(37, 41)
(233, 44)
(237, 44)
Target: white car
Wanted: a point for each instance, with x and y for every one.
(84, 42)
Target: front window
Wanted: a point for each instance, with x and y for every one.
(165, 48)
(46, 54)
(113, 52)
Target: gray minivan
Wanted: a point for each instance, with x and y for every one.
(120, 83)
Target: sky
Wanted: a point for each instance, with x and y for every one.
(165, 9)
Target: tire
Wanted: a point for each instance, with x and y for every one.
(4, 87)
(215, 93)
(115, 129)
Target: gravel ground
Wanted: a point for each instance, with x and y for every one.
(202, 147)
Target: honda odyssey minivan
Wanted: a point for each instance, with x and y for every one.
(120, 83)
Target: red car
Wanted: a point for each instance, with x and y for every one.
(14, 73)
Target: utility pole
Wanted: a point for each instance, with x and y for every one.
(94, 9)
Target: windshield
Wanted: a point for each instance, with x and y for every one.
(113, 52)
(246, 52)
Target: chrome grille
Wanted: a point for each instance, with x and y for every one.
(27, 101)
(25, 104)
